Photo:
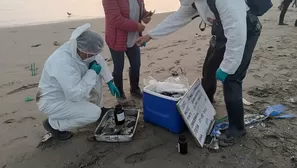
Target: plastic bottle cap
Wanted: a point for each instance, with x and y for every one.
(182, 138)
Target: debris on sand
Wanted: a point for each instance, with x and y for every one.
(56, 43)
(29, 99)
(274, 112)
(36, 45)
(245, 102)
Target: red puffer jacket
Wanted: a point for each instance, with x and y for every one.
(118, 24)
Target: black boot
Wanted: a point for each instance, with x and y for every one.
(230, 137)
(61, 135)
(236, 128)
(134, 85)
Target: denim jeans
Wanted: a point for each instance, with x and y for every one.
(118, 58)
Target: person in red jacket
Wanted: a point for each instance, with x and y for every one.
(123, 26)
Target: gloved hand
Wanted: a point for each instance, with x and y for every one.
(113, 89)
(221, 75)
(95, 66)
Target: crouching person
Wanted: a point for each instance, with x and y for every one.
(67, 79)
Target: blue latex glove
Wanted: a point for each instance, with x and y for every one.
(143, 44)
(95, 66)
(113, 89)
(221, 75)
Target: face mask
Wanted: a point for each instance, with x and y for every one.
(89, 60)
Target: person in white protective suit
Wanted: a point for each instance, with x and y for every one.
(67, 79)
(235, 33)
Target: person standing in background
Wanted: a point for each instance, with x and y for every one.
(286, 4)
(123, 26)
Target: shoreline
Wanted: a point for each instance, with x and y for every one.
(18, 14)
(49, 22)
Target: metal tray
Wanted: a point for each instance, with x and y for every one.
(115, 138)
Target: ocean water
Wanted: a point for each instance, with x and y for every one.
(28, 12)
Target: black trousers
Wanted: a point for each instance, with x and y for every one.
(286, 4)
(118, 58)
(233, 84)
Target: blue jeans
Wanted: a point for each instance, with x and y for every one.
(118, 58)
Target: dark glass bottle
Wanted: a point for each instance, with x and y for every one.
(119, 115)
(182, 145)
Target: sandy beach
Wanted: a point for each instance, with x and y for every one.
(271, 79)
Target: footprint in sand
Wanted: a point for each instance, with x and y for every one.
(147, 72)
(26, 119)
(170, 46)
(189, 48)
(9, 121)
(15, 140)
(171, 51)
(177, 62)
(288, 74)
(183, 54)
(135, 158)
(269, 77)
(257, 77)
(150, 64)
(171, 68)
(160, 70)
(1, 115)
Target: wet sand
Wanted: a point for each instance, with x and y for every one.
(271, 79)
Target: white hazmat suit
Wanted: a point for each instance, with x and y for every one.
(65, 86)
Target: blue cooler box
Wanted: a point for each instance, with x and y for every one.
(162, 111)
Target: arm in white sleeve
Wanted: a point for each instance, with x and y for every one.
(174, 22)
(105, 73)
(75, 87)
(233, 17)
